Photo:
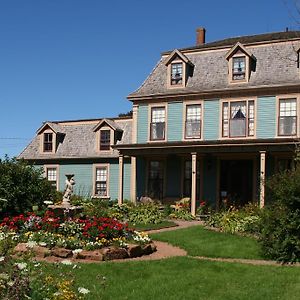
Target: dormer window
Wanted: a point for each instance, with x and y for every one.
(239, 68)
(179, 68)
(239, 64)
(176, 73)
(105, 140)
(48, 142)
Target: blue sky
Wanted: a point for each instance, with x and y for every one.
(78, 59)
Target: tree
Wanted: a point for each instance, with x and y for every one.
(22, 186)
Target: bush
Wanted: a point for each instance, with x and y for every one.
(280, 234)
(244, 220)
(22, 186)
(145, 214)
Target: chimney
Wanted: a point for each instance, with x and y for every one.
(200, 36)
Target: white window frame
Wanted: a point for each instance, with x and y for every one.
(56, 167)
(186, 105)
(95, 168)
(150, 108)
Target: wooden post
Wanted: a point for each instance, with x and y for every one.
(194, 184)
(133, 180)
(121, 179)
(262, 178)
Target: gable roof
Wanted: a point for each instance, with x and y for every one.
(113, 125)
(237, 46)
(180, 55)
(56, 128)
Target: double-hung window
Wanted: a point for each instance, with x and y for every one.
(176, 73)
(104, 139)
(48, 142)
(193, 121)
(101, 183)
(238, 119)
(51, 175)
(239, 68)
(157, 125)
(287, 119)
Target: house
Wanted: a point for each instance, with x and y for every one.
(210, 122)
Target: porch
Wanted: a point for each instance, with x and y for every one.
(219, 174)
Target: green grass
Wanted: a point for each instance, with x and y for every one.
(187, 278)
(198, 241)
(145, 227)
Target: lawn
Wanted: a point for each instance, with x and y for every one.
(187, 278)
(198, 241)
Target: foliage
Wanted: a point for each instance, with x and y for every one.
(22, 186)
(145, 214)
(204, 208)
(280, 234)
(244, 220)
(181, 210)
(27, 280)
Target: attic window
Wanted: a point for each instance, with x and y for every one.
(48, 142)
(104, 139)
(239, 68)
(176, 73)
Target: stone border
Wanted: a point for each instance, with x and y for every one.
(104, 254)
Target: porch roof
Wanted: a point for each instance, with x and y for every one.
(215, 146)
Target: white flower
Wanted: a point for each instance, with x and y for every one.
(43, 244)
(66, 262)
(10, 283)
(82, 290)
(48, 202)
(21, 266)
(76, 251)
(2, 258)
(31, 244)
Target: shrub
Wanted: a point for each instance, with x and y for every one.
(145, 214)
(22, 186)
(244, 220)
(280, 233)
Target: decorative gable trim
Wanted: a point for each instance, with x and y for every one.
(173, 55)
(109, 123)
(48, 125)
(235, 48)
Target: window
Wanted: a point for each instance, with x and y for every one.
(239, 68)
(176, 73)
(104, 139)
(51, 175)
(48, 142)
(157, 126)
(287, 119)
(187, 179)
(193, 121)
(101, 186)
(238, 119)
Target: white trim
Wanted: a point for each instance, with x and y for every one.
(96, 166)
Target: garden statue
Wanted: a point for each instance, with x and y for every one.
(70, 182)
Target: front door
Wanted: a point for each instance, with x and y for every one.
(236, 182)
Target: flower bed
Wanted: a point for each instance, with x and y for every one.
(52, 232)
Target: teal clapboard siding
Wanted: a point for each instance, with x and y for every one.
(142, 124)
(211, 119)
(266, 117)
(173, 177)
(83, 176)
(174, 126)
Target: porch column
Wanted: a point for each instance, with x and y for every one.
(262, 178)
(133, 180)
(194, 183)
(121, 179)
